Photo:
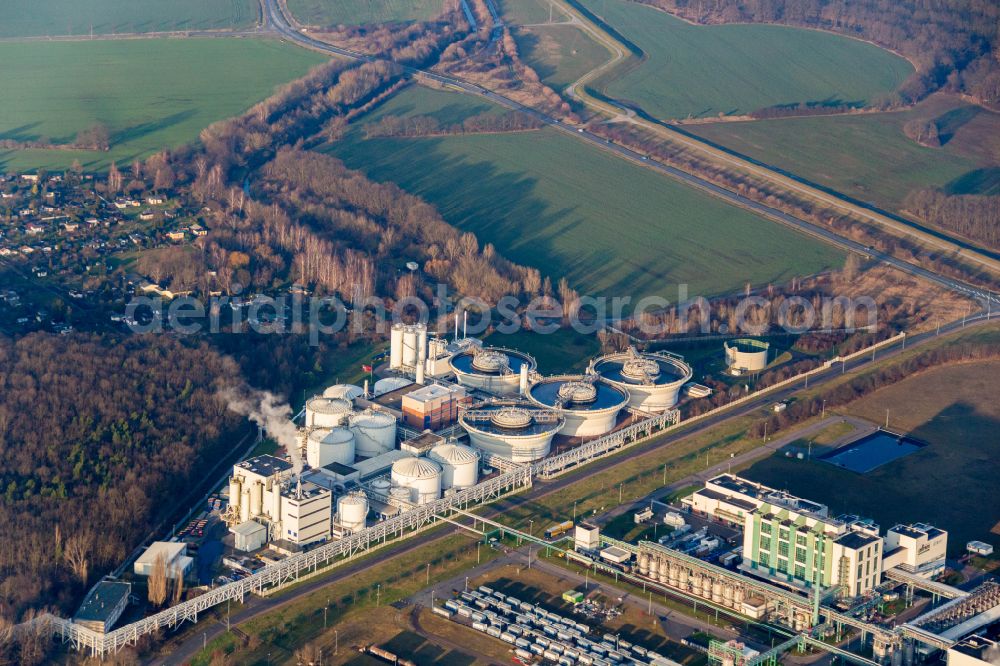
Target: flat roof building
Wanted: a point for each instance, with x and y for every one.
(729, 498)
(102, 607)
(918, 549)
(174, 555)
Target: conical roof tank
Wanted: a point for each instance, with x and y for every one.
(374, 433)
(327, 412)
(420, 475)
(459, 465)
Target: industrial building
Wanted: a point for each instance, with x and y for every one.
(589, 405)
(516, 431)
(265, 490)
(745, 355)
(102, 607)
(918, 549)
(173, 554)
(434, 406)
(804, 549)
(729, 499)
(652, 380)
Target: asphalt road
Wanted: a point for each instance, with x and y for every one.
(277, 22)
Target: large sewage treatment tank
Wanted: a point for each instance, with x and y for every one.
(459, 465)
(517, 431)
(589, 404)
(653, 381)
(374, 433)
(327, 412)
(491, 369)
(421, 476)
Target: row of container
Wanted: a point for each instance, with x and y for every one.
(536, 632)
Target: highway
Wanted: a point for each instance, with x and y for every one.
(278, 22)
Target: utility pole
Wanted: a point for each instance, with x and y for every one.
(823, 415)
(574, 509)
(621, 487)
(886, 419)
(428, 573)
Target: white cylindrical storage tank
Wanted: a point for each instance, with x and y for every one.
(374, 433)
(421, 341)
(410, 341)
(400, 496)
(459, 465)
(327, 412)
(276, 502)
(256, 499)
(421, 476)
(343, 391)
(746, 355)
(390, 384)
(325, 446)
(396, 346)
(352, 511)
(381, 486)
(245, 504)
(235, 490)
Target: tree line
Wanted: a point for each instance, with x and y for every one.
(974, 216)
(480, 123)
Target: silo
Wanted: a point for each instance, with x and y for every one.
(256, 499)
(411, 340)
(235, 490)
(421, 476)
(327, 412)
(459, 465)
(374, 433)
(245, 504)
(396, 346)
(352, 511)
(343, 391)
(325, 446)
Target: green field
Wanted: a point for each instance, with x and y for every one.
(702, 71)
(144, 91)
(560, 54)
(528, 12)
(359, 12)
(27, 18)
(562, 351)
(547, 200)
(868, 157)
(954, 410)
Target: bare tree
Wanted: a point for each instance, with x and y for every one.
(156, 585)
(77, 554)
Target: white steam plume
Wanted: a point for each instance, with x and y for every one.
(273, 414)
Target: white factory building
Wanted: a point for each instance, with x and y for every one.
(262, 490)
(918, 549)
(173, 554)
